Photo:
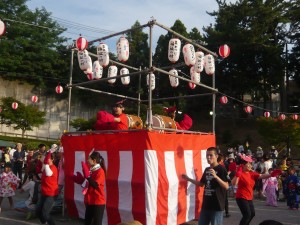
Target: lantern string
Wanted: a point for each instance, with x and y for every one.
(255, 106)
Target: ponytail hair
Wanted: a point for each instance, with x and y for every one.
(99, 159)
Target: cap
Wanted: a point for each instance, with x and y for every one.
(246, 158)
(231, 156)
(273, 147)
(170, 109)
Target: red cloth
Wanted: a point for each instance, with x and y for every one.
(49, 185)
(170, 109)
(246, 184)
(103, 120)
(96, 196)
(232, 167)
(185, 124)
(122, 125)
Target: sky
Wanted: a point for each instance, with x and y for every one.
(107, 17)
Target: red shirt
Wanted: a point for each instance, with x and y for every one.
(246, 184)
(96, 196)
(49, 185)
(122, 125)
(232, 167)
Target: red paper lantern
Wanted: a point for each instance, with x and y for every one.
(248, 109)
(224, 100)
(81, 44)
(2, 28)
(59, 89)
(267, 114)
(14, 105)
(192, 85)
(295, 117)
(34, 98)
(224, 51)
(282, 117)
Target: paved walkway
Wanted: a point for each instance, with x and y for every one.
(280, 213)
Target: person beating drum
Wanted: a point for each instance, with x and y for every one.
(185, 124)
(116, 121)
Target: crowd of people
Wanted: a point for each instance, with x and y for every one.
(38, 171)
(245, 173)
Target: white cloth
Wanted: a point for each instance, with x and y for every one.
(29, 187)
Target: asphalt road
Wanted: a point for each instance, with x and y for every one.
(280, 213)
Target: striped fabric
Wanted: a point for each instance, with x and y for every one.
(143, 180)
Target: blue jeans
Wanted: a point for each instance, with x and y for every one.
(209, 216)
(43, 209)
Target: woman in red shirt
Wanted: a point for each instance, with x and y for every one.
(94, 198)
(49, 191)
(245, 179)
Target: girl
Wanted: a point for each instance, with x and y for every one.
(269, 189)
(94, 196)
(292, 183)
(8, 184)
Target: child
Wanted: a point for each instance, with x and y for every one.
(290, 189)
(269, 189)
(8, 184)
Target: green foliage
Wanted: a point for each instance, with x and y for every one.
(275, 131)
(81, 124)
(23, 118)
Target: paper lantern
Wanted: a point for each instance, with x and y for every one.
(84, 60)
(34, 98)
(199, 64)
(125, 80)
(123, 49)
(14, 105)
(59, 89)
(267, 114)
(152, 81)
(188, 51)
(103, 54)
(112, 72)
(209, 64)
(174, 81)
(248, 109)
(282, 117)
(224, 100)
(2, 28)
(174, 50)
(224, 51)
(81, 44)
(192, 85)
(194, 75)
(97, 70)
(295, 117)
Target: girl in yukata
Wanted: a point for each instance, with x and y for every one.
(8, 184)
(291, 189)
(269, 189)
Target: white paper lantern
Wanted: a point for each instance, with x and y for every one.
(152, 81)
(209, 64)
(81, 44)
(188, 51)
(123, 49)
(174, 50)
(2, 28)
(59, 89)
(125, 80)
(295, 117)
(112, 72)
(103, 54)
(14, 105)
(194, 75)
(97, 70)
(84, 60)
(282, 117)
(174, 81)
(199, 64)
(267, 114)
(34, 98)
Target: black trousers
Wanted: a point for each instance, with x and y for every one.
(94, 214)
(247, 210)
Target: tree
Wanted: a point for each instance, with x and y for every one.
(23, 118)
(254, 30)
(32, 48)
